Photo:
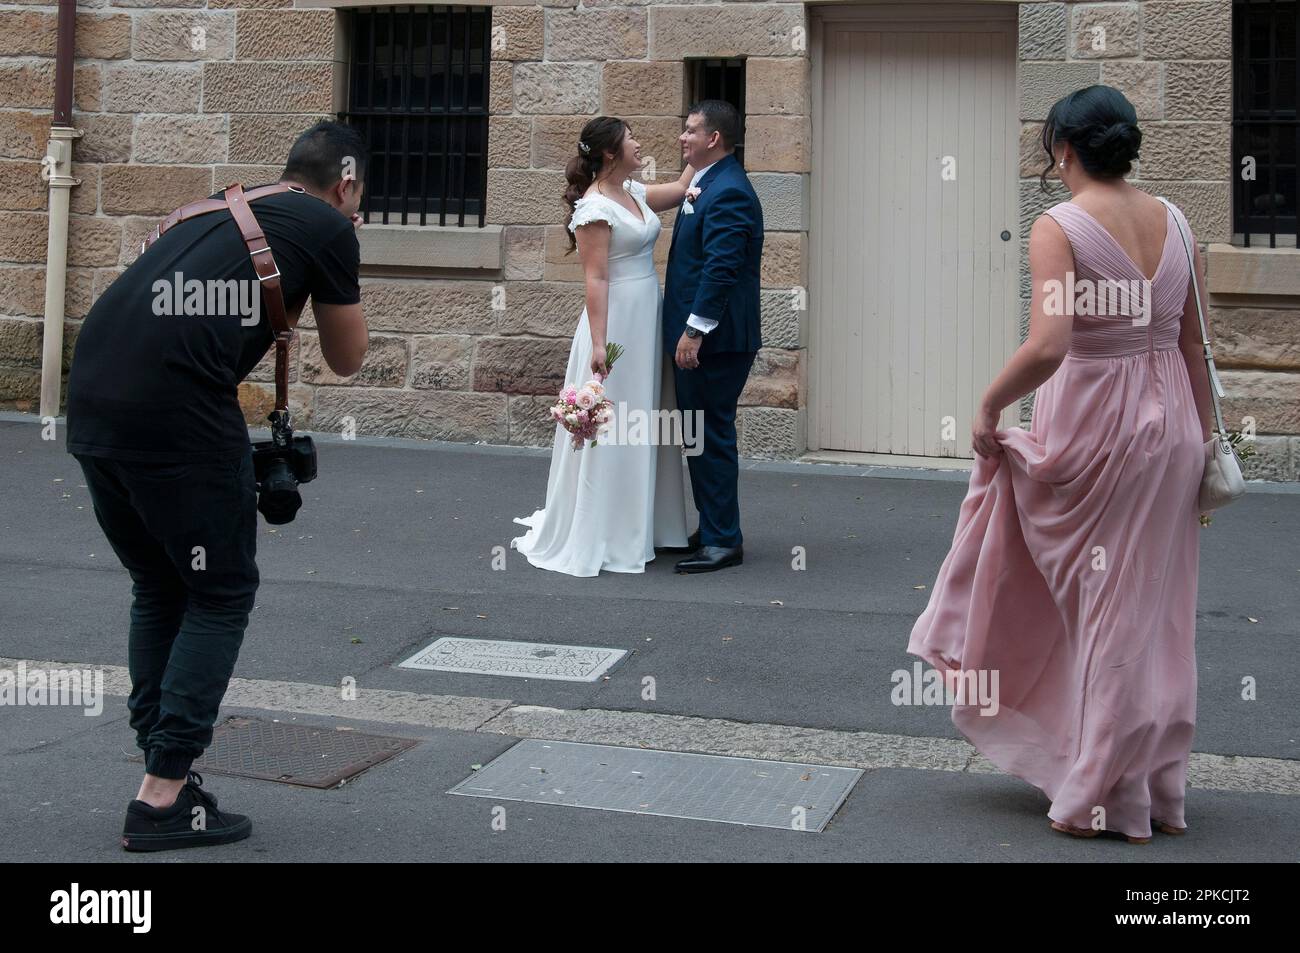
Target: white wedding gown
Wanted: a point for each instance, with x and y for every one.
(608, 506)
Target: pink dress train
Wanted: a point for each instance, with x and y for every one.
(1073, 569)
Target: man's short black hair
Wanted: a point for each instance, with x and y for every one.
(323, 153)
(720, 117)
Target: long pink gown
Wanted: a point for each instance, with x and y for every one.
(1073, 569)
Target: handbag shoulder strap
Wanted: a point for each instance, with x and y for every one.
(1216, 386)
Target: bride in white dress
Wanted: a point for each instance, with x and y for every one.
(609, 506)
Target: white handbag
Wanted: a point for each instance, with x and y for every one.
(1221, 482)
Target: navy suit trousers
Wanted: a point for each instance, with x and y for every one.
(713, 388)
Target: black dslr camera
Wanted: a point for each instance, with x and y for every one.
(279, 465)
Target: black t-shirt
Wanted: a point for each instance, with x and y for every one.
(151, 383)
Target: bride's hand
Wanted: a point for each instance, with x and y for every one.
(598, 365)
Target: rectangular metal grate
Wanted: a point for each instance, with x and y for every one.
(418, 93)
(562, 663)
(295, 754)
(1266, 121)
(720, 79)
(700, 787)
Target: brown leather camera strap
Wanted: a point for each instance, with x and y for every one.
(204, 206)
(259, 251)
(269, 277)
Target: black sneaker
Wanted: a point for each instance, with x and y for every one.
(193, 821)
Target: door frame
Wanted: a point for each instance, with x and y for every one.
(939, 17)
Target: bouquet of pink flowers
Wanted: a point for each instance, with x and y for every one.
(584, 411)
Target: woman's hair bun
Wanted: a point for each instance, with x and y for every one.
(1116, 146)
(1100, 124)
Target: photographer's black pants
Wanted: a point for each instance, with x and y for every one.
(187, 534)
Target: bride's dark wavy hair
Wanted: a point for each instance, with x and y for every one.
(602, 135)
(1101, 125)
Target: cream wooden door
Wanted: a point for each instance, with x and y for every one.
(915, 242)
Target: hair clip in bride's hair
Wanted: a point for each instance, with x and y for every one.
(584, 148)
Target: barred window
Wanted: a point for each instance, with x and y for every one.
(418, 92)
(720, 79)
(1265, 130)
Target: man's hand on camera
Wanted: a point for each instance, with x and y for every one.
(357, 220)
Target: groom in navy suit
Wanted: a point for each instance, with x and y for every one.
(711, 320)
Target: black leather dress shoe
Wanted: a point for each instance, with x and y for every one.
(692, 544)
(710, 558)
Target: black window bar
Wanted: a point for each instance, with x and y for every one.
(418, 92)
(1265, 126)
(721, 79)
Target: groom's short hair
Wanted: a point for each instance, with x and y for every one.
(720, 117)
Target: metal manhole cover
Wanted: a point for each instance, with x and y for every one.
(701, 787)
(295, 754)
(563, 663)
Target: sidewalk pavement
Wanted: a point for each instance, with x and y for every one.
(394, 547)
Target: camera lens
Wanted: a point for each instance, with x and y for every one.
(278, 499)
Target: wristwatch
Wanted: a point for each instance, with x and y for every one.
(693, 332)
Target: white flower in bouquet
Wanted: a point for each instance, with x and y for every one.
(585, 412)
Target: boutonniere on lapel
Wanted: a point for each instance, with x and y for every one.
(692, 194)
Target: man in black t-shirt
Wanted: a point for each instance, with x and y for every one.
(155, 422)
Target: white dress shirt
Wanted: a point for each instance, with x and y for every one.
(702, 324)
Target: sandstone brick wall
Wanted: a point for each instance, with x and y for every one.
(1173, 60)
(477, 356)
(165, 123)
(561, 65)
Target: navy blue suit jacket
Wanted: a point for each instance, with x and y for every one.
(713, 263)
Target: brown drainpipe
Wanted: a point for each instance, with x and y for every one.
(56, 169)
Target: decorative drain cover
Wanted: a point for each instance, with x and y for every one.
(702, 787)
(295, 754)
(562, 663)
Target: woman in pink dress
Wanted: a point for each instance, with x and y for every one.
(1073, 569)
